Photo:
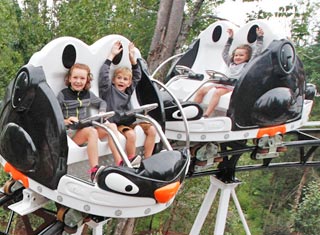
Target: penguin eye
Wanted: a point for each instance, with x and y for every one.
(216, 33)
(20, 87)
(287, 58)
(121, 184)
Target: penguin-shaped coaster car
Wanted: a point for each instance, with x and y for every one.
(267, 99)
(36, 151)
(271, 97)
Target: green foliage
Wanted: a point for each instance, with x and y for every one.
(28, 27)
(184, 209)
(23, 32)
(3, 213)
(306, 218)
(265, 196)
(310, 56)
(33, 28)
(204, 18)
(301, 13)
(10, 58)
(91, 20)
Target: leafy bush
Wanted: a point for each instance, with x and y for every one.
(306, 218)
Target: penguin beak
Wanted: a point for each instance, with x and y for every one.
(164, 194)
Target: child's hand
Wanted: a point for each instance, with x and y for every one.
(115, 50)
(131, 53)
(230, 32)
(259, 32)
(131, 49)
(103, 119)
(70, 120)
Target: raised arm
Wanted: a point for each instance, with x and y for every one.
(136, 70)
(132, 57)
(105, 81)
(226, 49)
(115, 50)
(259, 43)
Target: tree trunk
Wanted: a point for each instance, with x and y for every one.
(187, 25)
(128, 227)
(120, 226)
(125, 227)
(169, 21)
(300, 188)
(162, 22)
(302, 183)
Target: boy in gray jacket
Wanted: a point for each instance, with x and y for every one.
(117, 93)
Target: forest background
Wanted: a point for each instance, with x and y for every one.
(283, 201)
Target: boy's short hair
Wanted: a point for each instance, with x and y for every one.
(123, 70)
(246, 47)
(79, 66)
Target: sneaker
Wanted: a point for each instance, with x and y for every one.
(136, 161)
(95, 172)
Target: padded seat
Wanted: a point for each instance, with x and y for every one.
(164, 166)
(183, 87)
(60, 54)
(207, 55)
(223, 104)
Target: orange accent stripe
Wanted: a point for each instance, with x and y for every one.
(164, 194)
(16, 175)
(271, 131)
